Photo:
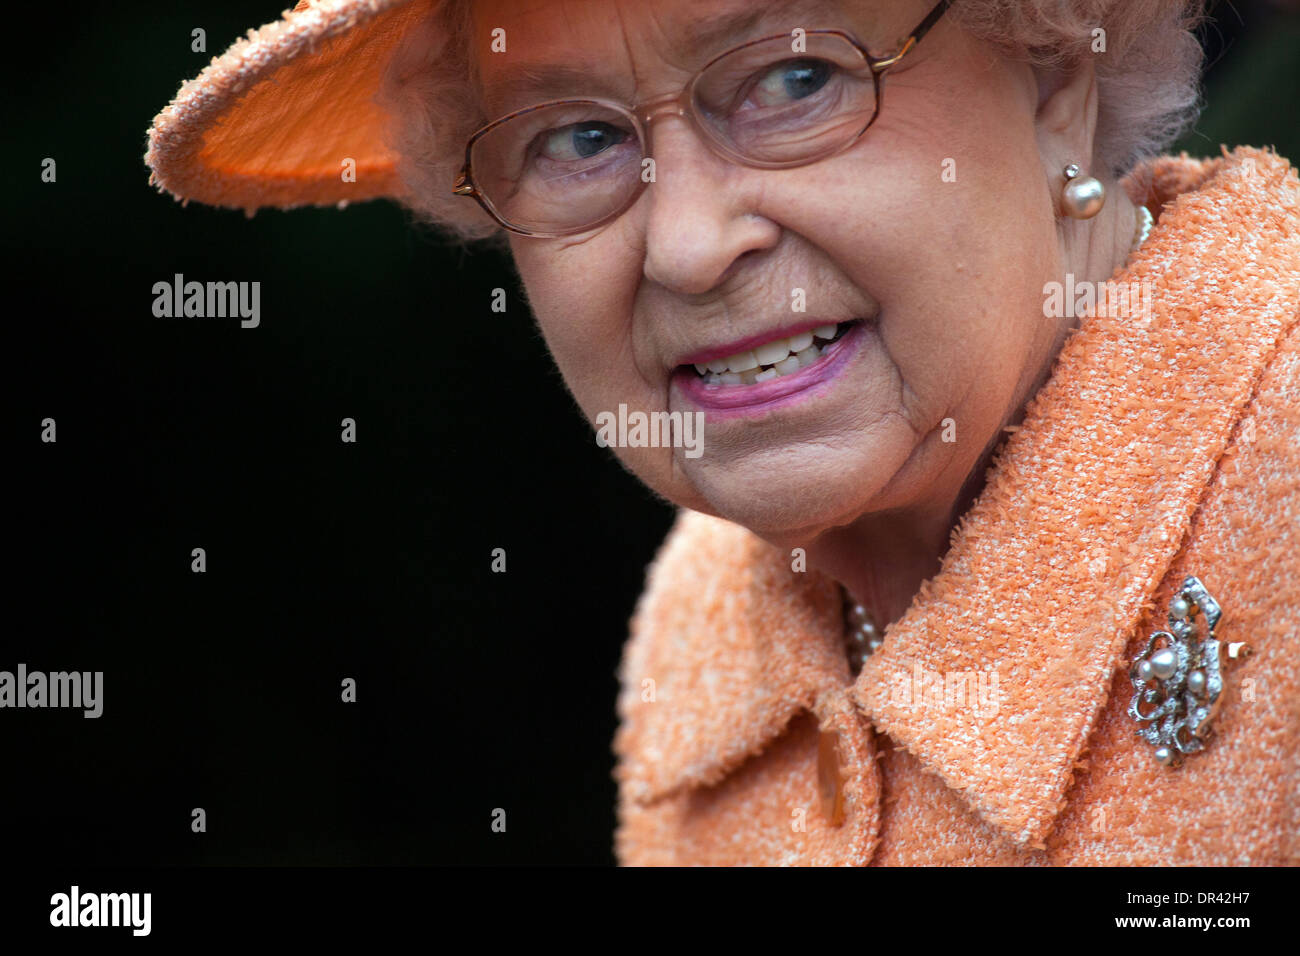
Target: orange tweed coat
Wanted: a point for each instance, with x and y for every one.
(1165, 444)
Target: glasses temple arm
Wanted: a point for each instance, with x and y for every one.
(915, 37)
(930, 20)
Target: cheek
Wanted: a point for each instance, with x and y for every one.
(969, 318)
(581, 295)
(583, 298)
(952, 234)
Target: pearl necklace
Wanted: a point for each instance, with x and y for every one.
(861, 636)
(1143, 227)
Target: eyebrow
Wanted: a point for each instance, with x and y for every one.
(709, 35)
(520, 85)
(712, 32)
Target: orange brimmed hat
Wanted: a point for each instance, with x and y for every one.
(271, 121)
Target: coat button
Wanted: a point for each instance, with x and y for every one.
(829, 779)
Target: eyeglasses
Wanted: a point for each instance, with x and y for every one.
(567, 166)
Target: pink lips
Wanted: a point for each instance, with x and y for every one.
(742, 345)
(728, 401)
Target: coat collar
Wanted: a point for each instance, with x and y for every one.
(1050, 571)
(728, 644)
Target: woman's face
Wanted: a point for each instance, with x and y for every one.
(932, 236)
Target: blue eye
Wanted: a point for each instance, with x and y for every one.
(581, 141)
(792, 80)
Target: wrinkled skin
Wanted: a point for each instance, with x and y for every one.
(949, 275)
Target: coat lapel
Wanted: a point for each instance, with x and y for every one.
(729, 643)
(731, 649)
(1090, 499)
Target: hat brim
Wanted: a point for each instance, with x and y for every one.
(275, 119)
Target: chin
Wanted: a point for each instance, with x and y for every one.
(791, 496)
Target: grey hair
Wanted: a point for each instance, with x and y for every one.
(1147, 76)
(1147, 80)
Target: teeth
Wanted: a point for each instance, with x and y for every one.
(772, 352)
(799, 342)
(789, 365)
(742, 362)
(767, 361)
(809, 355)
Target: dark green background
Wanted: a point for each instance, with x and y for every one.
(325, 560)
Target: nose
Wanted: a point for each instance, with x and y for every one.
(701, 213)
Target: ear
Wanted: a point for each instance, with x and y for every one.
(1066, 121)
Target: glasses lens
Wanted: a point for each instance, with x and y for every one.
(786, 101)
(559, 168)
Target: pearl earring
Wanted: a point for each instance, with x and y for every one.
(1081, 198)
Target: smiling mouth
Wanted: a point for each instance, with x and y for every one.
(771, 359)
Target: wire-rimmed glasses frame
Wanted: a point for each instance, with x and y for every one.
(685, 104)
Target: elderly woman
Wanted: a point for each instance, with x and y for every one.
(983, 422)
